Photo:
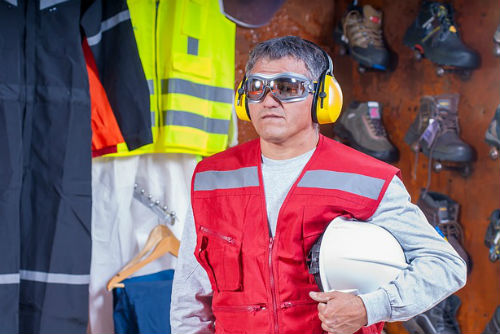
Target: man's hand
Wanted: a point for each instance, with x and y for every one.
(340, 313)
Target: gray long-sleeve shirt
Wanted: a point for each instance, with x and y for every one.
(435, 270)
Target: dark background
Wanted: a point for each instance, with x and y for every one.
(400, 92)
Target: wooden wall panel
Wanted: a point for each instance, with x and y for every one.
(399, 92)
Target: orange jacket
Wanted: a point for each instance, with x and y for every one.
(105, 131)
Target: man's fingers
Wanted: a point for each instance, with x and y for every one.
(325, 319)
(321, 307)
(322, 297)
(321, 316)
(326, 328)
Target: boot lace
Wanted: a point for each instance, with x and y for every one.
(445, 15)
(447, 122)
(425, 114)
(453, 229)
(360, 34)
(377, 127)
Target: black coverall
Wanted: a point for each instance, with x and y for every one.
(45, 151)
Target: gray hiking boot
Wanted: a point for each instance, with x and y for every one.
(493, 326)
(435, 130)
(441, 319)
(361, 127)
(442, 213)
(492, 135)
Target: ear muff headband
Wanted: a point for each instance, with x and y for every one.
(327, 99)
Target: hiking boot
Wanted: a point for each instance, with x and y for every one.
(435, 130)
(492, 135)
(441, 319)
(360, 32)
(442, 213)
(362, 128)
(434, 35)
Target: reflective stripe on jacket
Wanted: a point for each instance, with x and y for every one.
(187, 51)
(261, 284)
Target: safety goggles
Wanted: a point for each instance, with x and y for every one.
(286, 87)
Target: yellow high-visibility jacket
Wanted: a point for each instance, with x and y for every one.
(187, 50)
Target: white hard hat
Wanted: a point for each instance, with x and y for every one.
(356, 257)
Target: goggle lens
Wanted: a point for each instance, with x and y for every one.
(255, 89)
(286, 88)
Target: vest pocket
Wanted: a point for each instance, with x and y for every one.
(295, 303)
(315, 221)
(240, 308)
(221, 255)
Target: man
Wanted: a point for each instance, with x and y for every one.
(259, 207)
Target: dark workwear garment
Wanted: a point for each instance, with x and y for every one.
(110, 36)
(11, 112)
(45, 163)
(143, 305)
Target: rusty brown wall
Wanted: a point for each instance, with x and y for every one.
(399, 93)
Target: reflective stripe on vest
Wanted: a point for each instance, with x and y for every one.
(210, 93)
(237, 178)
(184, 118)
(358, 184)
(190, 72)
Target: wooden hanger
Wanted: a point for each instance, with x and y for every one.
(161, 240)
(157, 233)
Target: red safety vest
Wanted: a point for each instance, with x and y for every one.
(261, 284)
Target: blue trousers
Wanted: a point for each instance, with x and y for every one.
(143, 305)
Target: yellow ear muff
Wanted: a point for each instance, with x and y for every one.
(240, 103)
(327, 103)
(328, 100)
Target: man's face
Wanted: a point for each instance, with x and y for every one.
(275, 121)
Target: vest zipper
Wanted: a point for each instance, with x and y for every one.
(218, 235)
(271, 281)
(297, 303)
(241, 308)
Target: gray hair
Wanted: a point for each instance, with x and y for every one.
(290, 46)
